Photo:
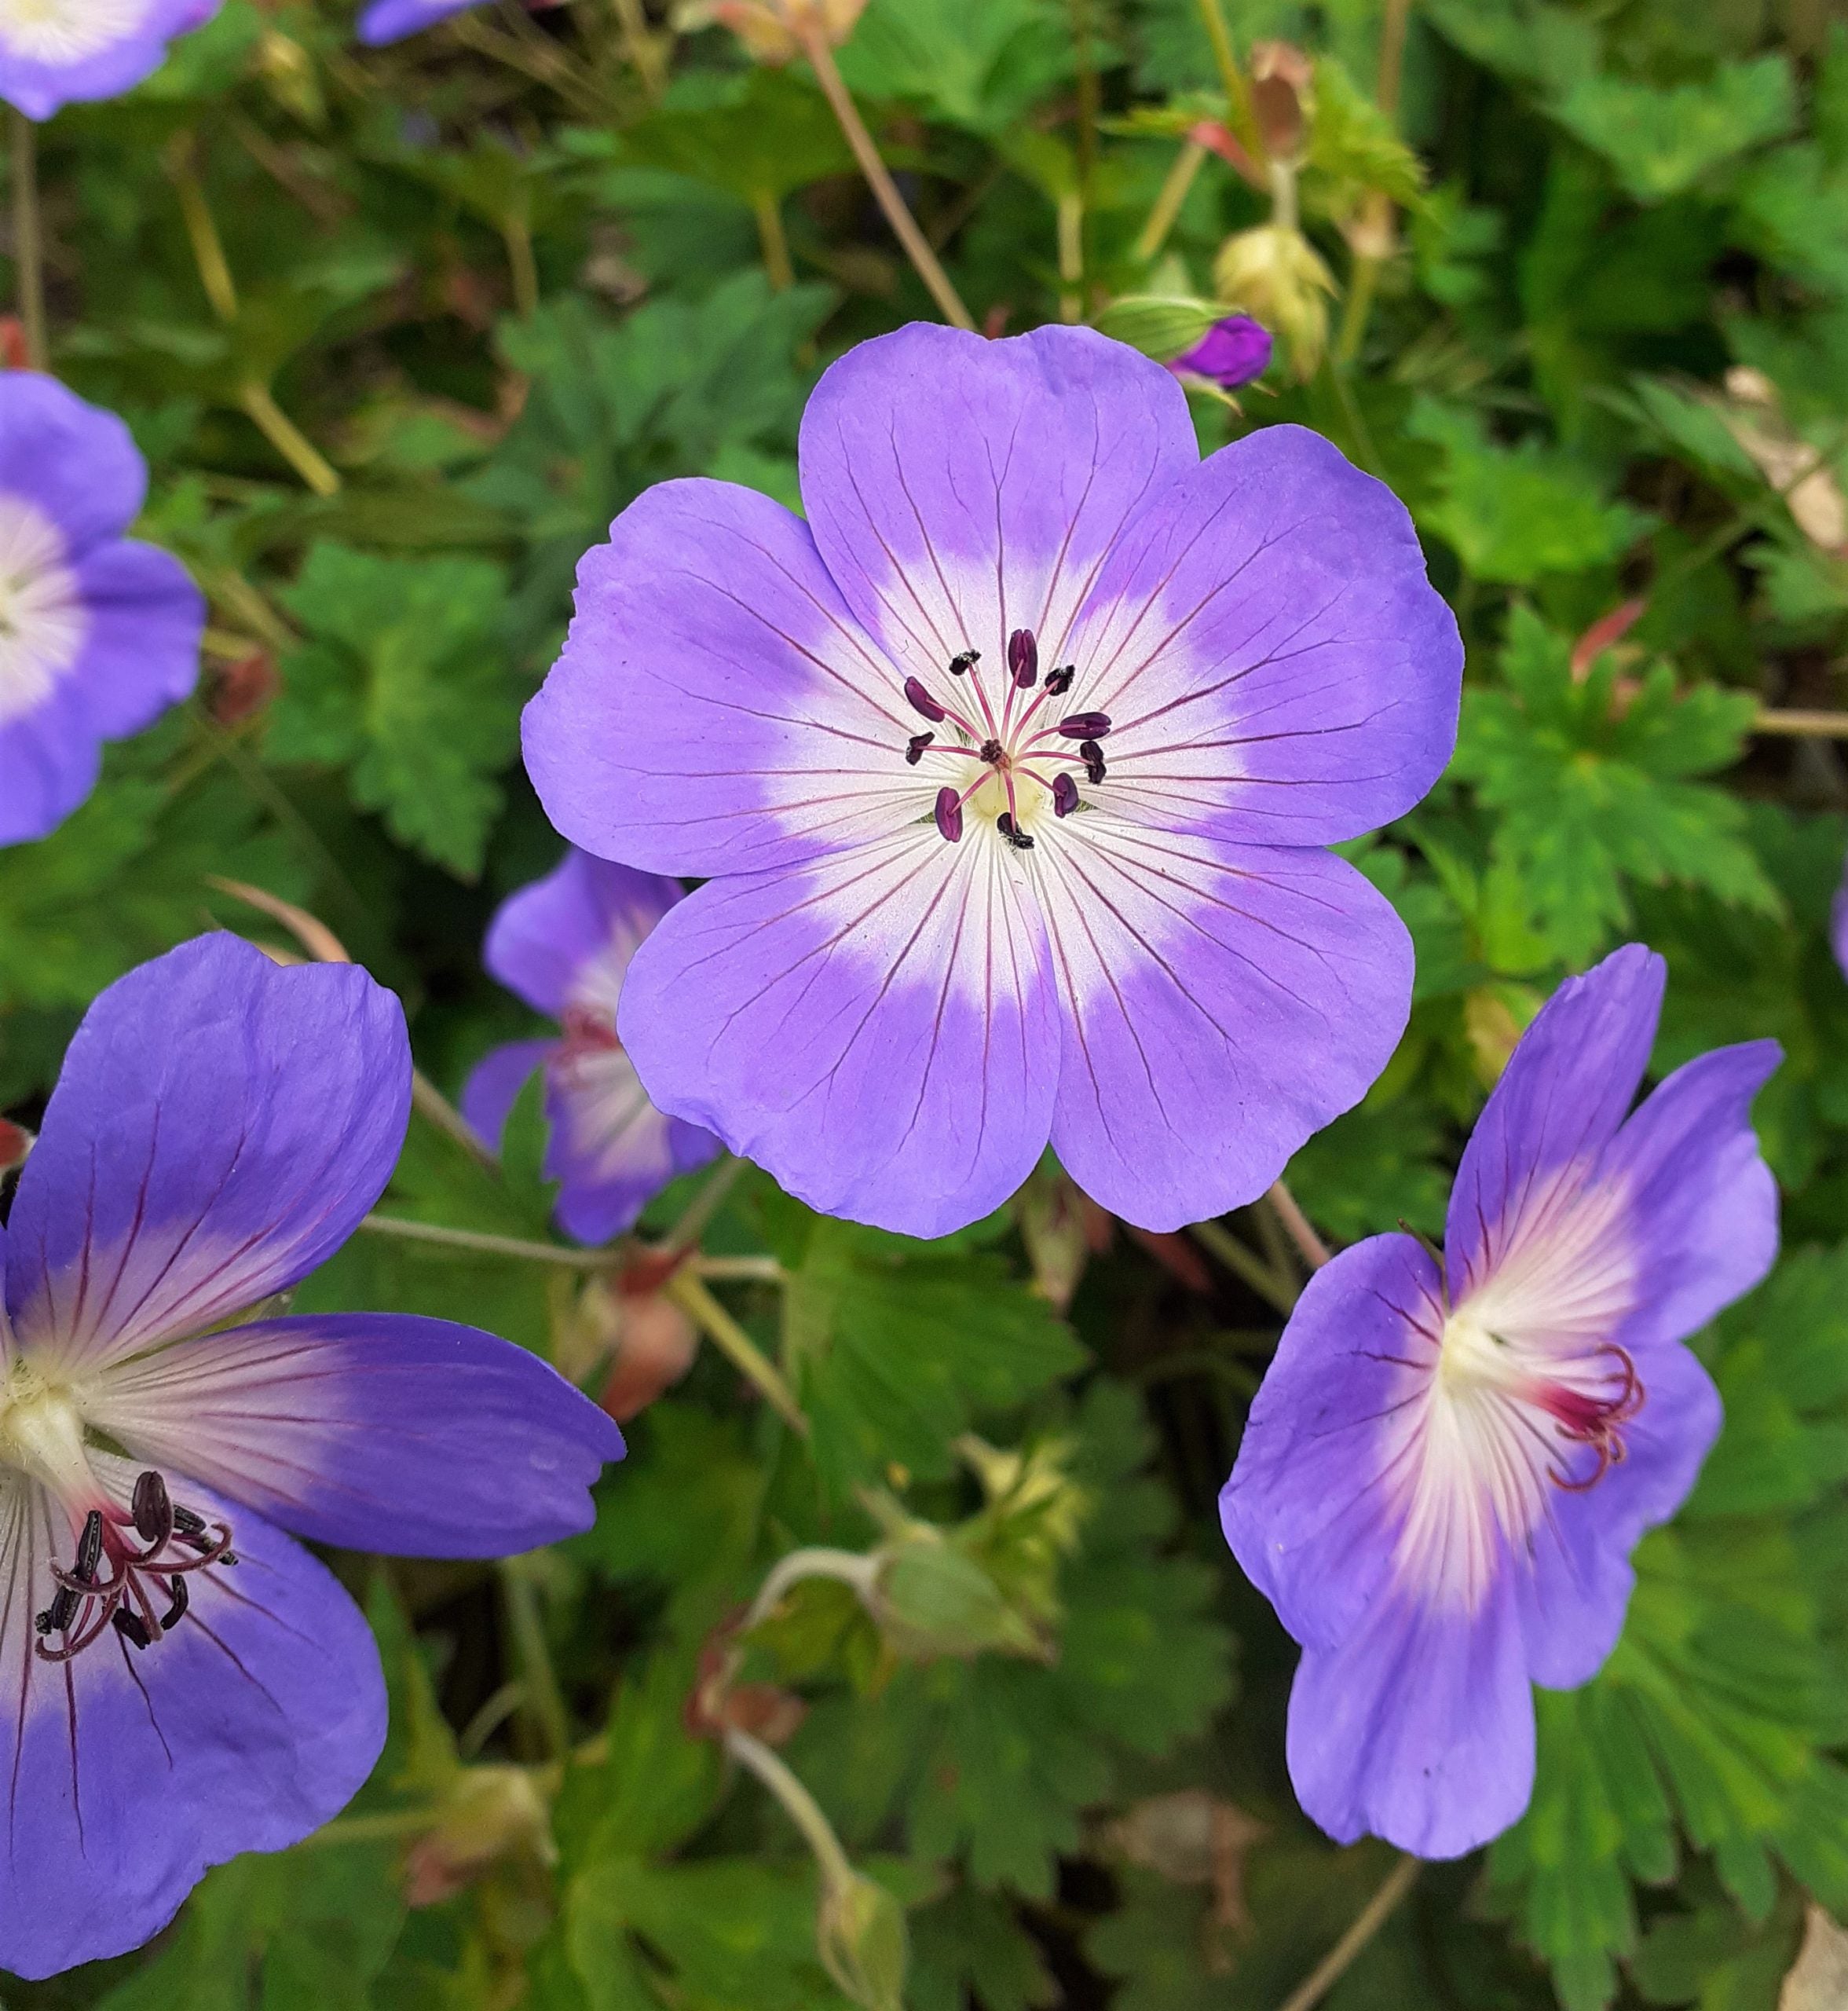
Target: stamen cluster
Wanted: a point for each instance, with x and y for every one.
(1008, 751)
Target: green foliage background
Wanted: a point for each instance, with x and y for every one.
(502, 276)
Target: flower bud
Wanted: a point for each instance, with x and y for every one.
(1275, 274)
(492, 1813)
(931, 1600)
(861, 1937)
(775, 31)
(15, 1141)
(1281, 78)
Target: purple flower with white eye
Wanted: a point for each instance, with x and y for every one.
(185, 1682)
(1449, 1463)
(563, 945)
(392, 21)
(55, 52)
(99, 634)
(1010, 770)
(1231, 353)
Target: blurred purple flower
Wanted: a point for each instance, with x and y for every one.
(1231, 353)
(1010, 769)
(1837, 923)
(67, 52)
(185, 1682)
(563, 945)
(1449, 1464)
(99, 634)
(392, 21)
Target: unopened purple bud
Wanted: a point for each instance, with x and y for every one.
(921, 701)
(1231, 353)
(1023, 658)
(950, 813)
(1084, 726)
(1065, 795)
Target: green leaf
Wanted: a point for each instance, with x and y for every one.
(1589, 786)
(1659, 142)
(1516, 513)
(976, 63)
(896, 1349)
(404, 682)
(766, 139)
(970, 1943)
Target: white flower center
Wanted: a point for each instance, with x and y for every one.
(43, 621)
(1525, 1393)
(60, 31)
(41, 1434)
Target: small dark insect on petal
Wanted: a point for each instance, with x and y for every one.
(89, 1545)
(920, 700)
(132, 1628)
(1084, 726)
(1023, 658)
(1092, 754)
(963, 661)
(1058, 682)
(1065, 794)
(915, 745)
(991, 750)
(950, 815)
(153, 1510)
(1018, 840)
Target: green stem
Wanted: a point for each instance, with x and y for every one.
(773, 240)
(1089, 105)
(937, 283)
(846, 1567)
(283, 435)
(798, 1805)
(1220, 1242)
(1174, 193)
(704, 1206)
(517, 232)
(28, 242)
(484, 1244)
(1368, 1923)
(1230, 78)
(545, 1701)
(751, 1270)
(1298, 1226)
(694, 1299)
(371, 1829)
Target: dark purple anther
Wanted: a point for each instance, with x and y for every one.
(1092, 754)
(153, 1510)
(56, 1617)
(921, 701)
(1023, 658)
(177, 1612)
(1084, 726)
(963, 661)
(1065, 794)
(916, 745)
(950, 813)
(1058, 682)
(132, 1628)
(89, 1547)
(1018, 840)
(991, 751)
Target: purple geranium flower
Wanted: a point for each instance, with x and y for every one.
(185, 1682)
(563, 945)
(1449, 1463)
(64, 52)
(392, 21)
(1838, 922)
(99, 634)
(1011, 770)
(1231, 353)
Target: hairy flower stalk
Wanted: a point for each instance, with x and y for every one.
(1011, 770)
(187, 1681)
(1450, 1462)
